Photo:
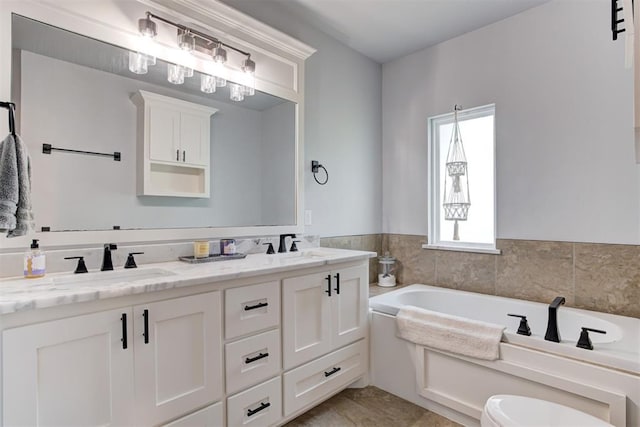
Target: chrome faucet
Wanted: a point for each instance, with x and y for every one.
(107, 263)
(552, 323)
(283, 245)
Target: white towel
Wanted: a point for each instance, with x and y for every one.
(16, 216)
(450, 333)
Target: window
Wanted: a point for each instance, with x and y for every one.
(477, 132)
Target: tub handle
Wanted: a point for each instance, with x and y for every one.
(523, 328)
(585, 341)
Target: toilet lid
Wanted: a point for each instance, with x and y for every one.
(520, 411)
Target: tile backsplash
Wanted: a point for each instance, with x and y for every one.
(599, 277)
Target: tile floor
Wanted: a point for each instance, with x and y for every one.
(369, 407)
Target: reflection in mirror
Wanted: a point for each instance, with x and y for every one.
(75, 92)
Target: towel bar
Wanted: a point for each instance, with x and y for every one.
(47, 148)
(12, 116)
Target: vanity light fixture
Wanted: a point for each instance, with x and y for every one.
(207, 83)
(219, 54)
(175, 74)
(186, 41)
(236, 92)
(138, 63)
(147, 27)
(192, 41)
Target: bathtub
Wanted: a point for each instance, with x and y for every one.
(604, 381)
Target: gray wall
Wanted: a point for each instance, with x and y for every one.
(342, 126)
(565, 152)
(278, 171)
(72, 106)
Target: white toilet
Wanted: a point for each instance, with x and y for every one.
(504, 410)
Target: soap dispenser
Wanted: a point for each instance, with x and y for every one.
(34, 261)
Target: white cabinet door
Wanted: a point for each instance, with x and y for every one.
(69, 372)
(164, 133)
(349, 305)
(194, 138)
(306, 321)
(178, 356)
(316, 321)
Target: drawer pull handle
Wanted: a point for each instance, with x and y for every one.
(331, 372)
(124, 331)
(253, 307)
(337, 288)
(258, 357)
(262, 406)
(145, 334)
(178, 155)
(328, 291)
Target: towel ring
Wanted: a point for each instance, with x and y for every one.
(315, 167)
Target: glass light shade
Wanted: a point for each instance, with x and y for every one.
(248, 66)
(207, 83)
(221, 82)
(138, 63)
(248, 85)
(186, 41)
(175, 74)
(236, 92)
(219, 55)
(147, 27)
(248, 91)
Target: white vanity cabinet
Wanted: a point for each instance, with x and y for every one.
(199, 351)
(48, 369)
(173, 146)
(322, 312)
(83, 370)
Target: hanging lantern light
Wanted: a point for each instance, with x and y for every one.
(456, 187)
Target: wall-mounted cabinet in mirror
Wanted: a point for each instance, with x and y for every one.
(76, 92)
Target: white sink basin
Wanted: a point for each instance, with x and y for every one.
(116, 276)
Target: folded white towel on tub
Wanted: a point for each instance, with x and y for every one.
(454, 334)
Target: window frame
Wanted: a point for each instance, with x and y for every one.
(433, 183)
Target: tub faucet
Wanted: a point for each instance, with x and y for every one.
(283, 246)
(552, 322)
(107, 263)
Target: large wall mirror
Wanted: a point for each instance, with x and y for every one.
(75, 92)
(66, 66)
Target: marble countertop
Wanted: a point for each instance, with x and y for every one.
(19, 294)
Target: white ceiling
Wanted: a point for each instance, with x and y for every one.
(387, 29)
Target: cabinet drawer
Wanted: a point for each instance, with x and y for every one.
(251, 308)
(315, 380)
(252, 360)
(211, 416)
(258, 406)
